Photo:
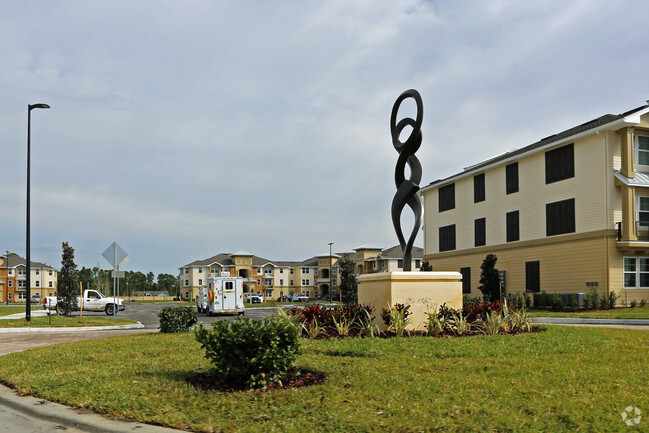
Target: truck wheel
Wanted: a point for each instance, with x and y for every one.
(110, 309)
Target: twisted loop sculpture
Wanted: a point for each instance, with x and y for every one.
(407, 188)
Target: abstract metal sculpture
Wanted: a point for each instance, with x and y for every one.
(407, 188)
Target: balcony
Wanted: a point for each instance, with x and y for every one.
(641, 235)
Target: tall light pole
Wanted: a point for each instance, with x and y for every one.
(7, 282)
(28, 312)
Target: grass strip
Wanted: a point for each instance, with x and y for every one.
(564, 379)
(616, 313)
(60, 321)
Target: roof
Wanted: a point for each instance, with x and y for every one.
(641, 179)
(14, 261)
(397, 253)
(606, 121)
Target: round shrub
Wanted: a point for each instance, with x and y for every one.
(250, 352)
(176, 319)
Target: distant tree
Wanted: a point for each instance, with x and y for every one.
(68, 287)
(348, 282)
(490, 279)
(87, 278)
(150, 284)
(137, 281)
(426, 267)
(167, 283)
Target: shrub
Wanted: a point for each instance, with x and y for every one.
(250, 352)
(643, 302)
(481, 310)
(433, 324)
(528, 300)
(557, 303)
(612, 299)
(176, 319)
(350, 319)
(634, 303)
(396, 317)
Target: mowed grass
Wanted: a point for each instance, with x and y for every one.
(616, 313)
(564, 379)
(6, 310)
(60, 321)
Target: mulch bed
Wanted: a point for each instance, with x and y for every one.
(293, 379)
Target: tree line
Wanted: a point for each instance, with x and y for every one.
(133, 281)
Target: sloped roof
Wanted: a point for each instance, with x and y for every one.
(397, 253)
(598, 123)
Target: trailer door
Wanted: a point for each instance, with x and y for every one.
(229, 296)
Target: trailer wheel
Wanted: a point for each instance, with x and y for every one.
(110, 309)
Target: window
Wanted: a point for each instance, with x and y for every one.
(281, 270)
(636, 272)
(480, 234)
(50, 272)
(478, 188)
(258, 282)
(11, 271)
(11, 283)
(560, 217)
(38, 283)
(200, 281)
(187, 270)
(466, 280)
(447, 238)
(10, 296)
(643, 211)
(447, 197)
(281, 282)
(400, 263)
(511, 174)
(417, 264)
(533, 277)
(22, 271)
(643, 150)
(305, 270)
(512, 226)
(51, 285)
(37, 271)
(291, 271)
(22, 295)
(560, 163)
(200, 270)
(187, 282)
(22, 284)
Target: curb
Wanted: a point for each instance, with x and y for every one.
(72, 329)
(86, 421)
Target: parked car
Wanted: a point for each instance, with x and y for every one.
(284, 299)
(253, 298)
(36, 299)
(300, 298)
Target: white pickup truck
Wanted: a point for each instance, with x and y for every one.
(92, 301)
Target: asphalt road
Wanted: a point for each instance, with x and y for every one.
(147, 313)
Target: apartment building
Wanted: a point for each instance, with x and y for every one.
(565, 214)
(314, 277)
(13, 279)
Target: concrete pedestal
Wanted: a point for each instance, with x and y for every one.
(423, 291)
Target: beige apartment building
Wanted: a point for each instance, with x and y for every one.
(13, 279)
(565, 214)
(314, 277)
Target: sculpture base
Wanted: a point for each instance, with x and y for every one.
(423, 291)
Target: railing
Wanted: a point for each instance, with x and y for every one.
(642, 230)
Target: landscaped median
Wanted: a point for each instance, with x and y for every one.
(62, 322)
(564, 379)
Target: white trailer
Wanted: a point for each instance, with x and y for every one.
(222, 294)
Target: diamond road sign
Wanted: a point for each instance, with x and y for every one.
(115, 255)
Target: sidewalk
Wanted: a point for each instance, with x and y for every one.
(17, 340)
(576, 321)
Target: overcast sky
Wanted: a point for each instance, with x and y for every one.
(182, 129)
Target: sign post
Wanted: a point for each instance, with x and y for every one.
(116, 256)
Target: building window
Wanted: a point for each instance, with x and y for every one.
(50, 272)
(200, 270)
(480, 233)
(447, 197)
(10, 296)
(533, 277)
(38, 283)
(478, 188)
(291, 271)
(512, 226)
(643, 150)
(22, 295)
(22, 271)
(560, 217)
(11, 271)
(22, 284)
(305, 270)
(447, 238)
(643, 211)
(37, 271)
(511, 174)
(636, 272)
(281, 270)
(400, 263)
(291, 283)
(51, 285)
(187, 282)
(200, 281)
(258, 282)
(11, 283)
(281, 282)
(417, 264)
(466, 280)
(560, 163)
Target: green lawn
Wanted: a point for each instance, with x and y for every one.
(616, 313)
(562, 380)
(60, 321)
(6, 310)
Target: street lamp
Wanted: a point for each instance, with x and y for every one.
(7, 282)
(331, 286)
(28, 312)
